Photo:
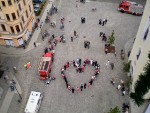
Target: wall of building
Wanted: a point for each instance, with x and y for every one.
(141, 47)
(25, 25)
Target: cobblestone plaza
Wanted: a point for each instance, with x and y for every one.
(101, 96)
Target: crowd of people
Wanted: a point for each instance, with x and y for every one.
(120, 86)
(80, 69)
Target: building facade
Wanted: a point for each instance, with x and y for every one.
(141, 48)
(17, 22)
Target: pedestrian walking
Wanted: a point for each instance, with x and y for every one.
(112, 81)
(100, 21)
(106, 51)
(101, 33)
(91, 82)
(84, 85)
(112, 65)
(34, 44)
(81, 87)
(71, 39)
(75, 33)
(6, 78)
(53, 36)
(118, 87)
(123, 92)
(115, 54)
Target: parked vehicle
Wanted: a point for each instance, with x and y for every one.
(34, 102)
(38, 1)
(45, 65)
(36, 5)
(36, 10)
(130, 7)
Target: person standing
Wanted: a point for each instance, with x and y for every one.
(77, 89)
(69, 87)
(75, 33)
(118, 87)
(34, 44)
(106, 51)
(81, 87)
(71, 39)
(112, 65)
(82, 68)
(84, 85)
(100, 21)
(72, 90)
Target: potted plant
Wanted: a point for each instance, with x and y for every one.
(126, 66)
(114, 110)
(111, 38)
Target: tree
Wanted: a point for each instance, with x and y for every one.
(142, 85)
(111, 38)
(114, 110)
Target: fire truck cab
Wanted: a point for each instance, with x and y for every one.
(45, 65)
(130, 7)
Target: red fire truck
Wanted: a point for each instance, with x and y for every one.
(45, 65)
(130, 7)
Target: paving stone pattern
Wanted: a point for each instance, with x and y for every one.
(101, 96)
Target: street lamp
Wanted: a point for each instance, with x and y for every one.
(12, 87)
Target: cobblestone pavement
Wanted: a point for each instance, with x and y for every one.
(101, 96)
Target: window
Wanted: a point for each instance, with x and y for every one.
(146, 29)
(138, 54)
(19, 7)
(18, 13)
(23, 19)
(27, 13)
(9, 2)
(21, 25)
(3, 27)
(24, 2)
(3, 4)
(12, 29)
(29, 8)
(7, 16)
(17, 28)
(13, 16)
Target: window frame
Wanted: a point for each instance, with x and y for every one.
(27, 15)
(9, 2)
(3, 3)
(138, 54)
(3, 27)
(12, 29)
(8, 17)
(17, 28)
(13, 16)
(23, 20)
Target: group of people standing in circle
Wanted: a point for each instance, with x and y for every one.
(79, 69)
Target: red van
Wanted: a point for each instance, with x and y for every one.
(130, 7)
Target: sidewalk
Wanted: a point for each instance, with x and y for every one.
(19, 51)
(8, 98)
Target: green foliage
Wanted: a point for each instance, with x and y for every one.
(126, 66)
(114, 110)
(111, 39)
(142, 85)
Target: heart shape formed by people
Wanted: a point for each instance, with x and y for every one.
(80, 69)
